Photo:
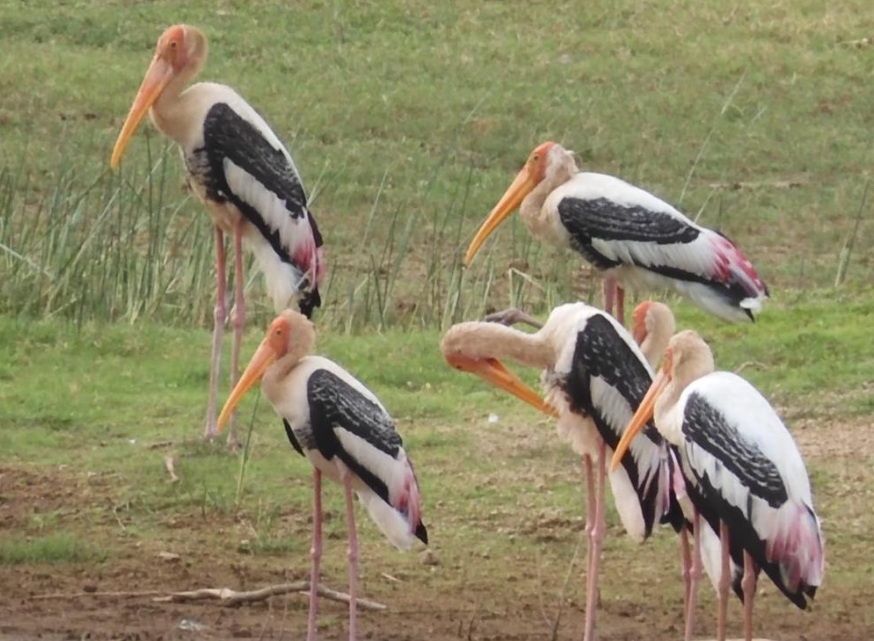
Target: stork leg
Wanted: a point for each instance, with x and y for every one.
(353, 556)
(219, 316)
(315, 555)
(620, 305)
(512, 316)
(614, 297)
(694, 575)
(591, 512)
(748, 583)
(686, 560)
(596, 537)
(609, 293)
(238, 322)
(724, 582)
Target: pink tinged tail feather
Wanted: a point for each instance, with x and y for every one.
(796, 546)
(400, 520)
(731, 264)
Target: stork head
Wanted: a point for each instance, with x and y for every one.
(652, 325)
(466, 349)
(290, 334)
(546, 161)
(179, 56)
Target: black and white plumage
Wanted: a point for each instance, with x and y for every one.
(594, 377)
(243, 174)
(598, 379)
(344, 431)
(742, 470)
(241, 165)
(633, 237)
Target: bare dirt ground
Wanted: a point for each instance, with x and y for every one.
(473, 605)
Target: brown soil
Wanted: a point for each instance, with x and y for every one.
(465, 605)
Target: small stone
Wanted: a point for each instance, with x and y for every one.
(428, 557)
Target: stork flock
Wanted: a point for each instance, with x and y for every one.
(691, 447)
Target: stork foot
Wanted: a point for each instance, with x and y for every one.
(513, 316)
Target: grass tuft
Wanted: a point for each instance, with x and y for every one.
(52, 548)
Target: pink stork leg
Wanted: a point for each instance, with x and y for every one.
(315, 555)
(614, 297)
(686, 559)
(724, 582)
(219, 316)
(748, 583)
(591, 515)
(620, 305)
(238, 322)
(694, 575)
(597, 537)
(609, 293)
(353, 556)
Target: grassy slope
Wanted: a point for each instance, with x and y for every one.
(421, 112)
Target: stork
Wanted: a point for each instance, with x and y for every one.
(346, 434)
(594, 377)
(245, 177)
(636, 239)
(743, 473)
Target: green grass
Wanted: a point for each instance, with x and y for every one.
(101, 397)
(408, 120)
(53, 548)
(98, 407)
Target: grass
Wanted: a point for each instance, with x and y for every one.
(408, 121)
(97, 408)
(54, 548)
(99, 398)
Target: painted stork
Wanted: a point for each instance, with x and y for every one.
(652, 325)
(347, 435)
(636, 239)
(743, 474)
(594, 377)
(244, 176)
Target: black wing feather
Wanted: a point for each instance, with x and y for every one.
(292, 438)
(599, 353)
(228, 135)
(605, 219)
(334, 403)
(706, 428)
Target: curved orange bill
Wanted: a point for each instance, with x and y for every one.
(522, 186)
(493, 371)
(263, 358)
(160, 72)
(641, 417)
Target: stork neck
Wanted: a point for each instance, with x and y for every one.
(282, 368)
(171, 110)
(502, 342)
(532, 211)
(653, 346)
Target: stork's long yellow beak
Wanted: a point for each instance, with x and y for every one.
(493, 371)
(641, 417)
(522, 185)
(159, 73)
(262, 359)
